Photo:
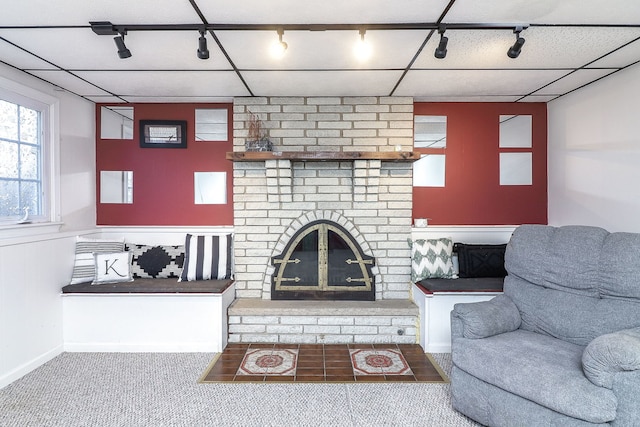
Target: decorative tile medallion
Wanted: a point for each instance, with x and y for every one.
(269, 362)
(379, 362)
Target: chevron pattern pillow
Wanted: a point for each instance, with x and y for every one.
(432, 259)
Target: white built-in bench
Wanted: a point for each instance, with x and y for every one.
(154, 315)
(148, 315)
(436, 300)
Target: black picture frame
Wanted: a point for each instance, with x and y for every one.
(163, 133)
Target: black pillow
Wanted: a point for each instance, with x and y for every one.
(480, 260)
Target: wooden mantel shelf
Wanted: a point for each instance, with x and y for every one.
(323, 156)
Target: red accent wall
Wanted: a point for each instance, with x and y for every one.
(472, 194)
(163, 191)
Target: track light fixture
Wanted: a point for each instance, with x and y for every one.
(279, 48)
(514, 51)
(362, 49)
(123, 52)
(441, 50)
(203, 52)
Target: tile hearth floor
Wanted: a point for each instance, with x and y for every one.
(323, 363)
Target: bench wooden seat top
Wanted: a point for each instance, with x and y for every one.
(151, 286)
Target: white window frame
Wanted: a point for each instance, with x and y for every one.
(49, 107)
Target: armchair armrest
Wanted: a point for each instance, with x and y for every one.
(610, 354)
(484, 319)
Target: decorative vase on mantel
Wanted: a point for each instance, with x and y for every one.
(257, 139)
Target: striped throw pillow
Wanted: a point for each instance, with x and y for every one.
(207, 258)
(84, 269)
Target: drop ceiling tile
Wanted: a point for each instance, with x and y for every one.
(104, 99)
(17, 57)
(623, 57)
(478, 83)
(70, 82)
(81, 49)
(573, 80)
(538, 98)
(324, 50)
(546, 11)
(168, 83)
(544, 48)
(327, 11)
(177, 98)
(327, 83)
(74, 12)
(464, 98)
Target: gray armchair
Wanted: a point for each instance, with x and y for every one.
(561, 347)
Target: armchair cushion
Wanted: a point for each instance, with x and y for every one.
(488, 318)
(609, 354)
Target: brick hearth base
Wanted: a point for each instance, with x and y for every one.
(323, 322)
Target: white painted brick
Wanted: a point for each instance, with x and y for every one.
(291, 124)
(250, 100)
(284, 329)
(234, 319)
(372, 108)
(323, 100)
(356, 100)
(359, 133)
(234, 339)
(335, 108)
(321, 329)
(234, 329)
(297, 339)
(298, 320)
(337, 125)
(359, 330)
(260, 320)
(335, 320)
(287, 133)
(286, 100)
(373, 320)
(259, 338)
(299, 108)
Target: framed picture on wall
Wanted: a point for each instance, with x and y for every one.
(163, 134)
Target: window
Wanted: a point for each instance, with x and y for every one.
(23, 154)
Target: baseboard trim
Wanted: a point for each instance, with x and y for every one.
(24, 369)
(180, 347)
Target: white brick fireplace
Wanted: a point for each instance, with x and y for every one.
(370, 197)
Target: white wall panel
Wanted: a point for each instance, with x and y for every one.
(594, 153)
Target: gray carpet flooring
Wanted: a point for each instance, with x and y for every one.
(161, 389)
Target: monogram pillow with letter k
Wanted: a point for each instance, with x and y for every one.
(113, 268)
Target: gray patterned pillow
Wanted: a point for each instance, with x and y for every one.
(432, 259)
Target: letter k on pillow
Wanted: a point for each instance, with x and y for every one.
(112, 268)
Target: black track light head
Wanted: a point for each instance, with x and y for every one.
(441, 50)
(514, 51)
(203, 51)
(123, 52)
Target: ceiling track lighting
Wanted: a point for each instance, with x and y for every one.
(514, 51)
(441, 50)
(123, 52)
(279, 48)
(203, 51)
(362, 49)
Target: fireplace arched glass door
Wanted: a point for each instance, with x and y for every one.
(323, 261)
